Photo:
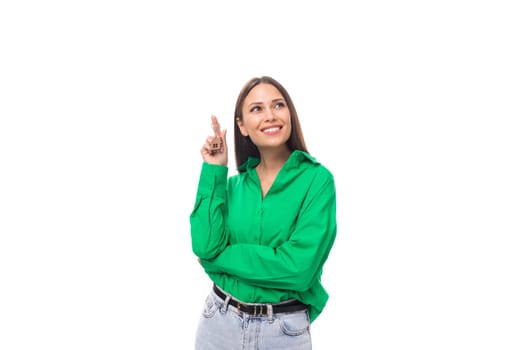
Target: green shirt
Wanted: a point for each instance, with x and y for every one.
(266, 250)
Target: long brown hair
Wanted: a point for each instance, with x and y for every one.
(244, 146)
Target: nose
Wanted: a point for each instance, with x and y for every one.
(269, 114)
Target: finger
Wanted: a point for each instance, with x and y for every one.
(215, 125)
(207, 147)
(223, 136)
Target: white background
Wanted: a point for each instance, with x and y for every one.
(416, 107)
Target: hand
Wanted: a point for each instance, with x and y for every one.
(214, 150)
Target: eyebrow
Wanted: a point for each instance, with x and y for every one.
(259, 102)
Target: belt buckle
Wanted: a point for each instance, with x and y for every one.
(261, 310)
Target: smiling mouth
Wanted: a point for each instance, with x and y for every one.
(272, 129)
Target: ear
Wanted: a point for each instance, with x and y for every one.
(241, 127)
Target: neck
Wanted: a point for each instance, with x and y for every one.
(273, 160)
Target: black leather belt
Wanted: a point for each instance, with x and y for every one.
(262, 309)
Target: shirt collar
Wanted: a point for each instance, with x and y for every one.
(295, 159)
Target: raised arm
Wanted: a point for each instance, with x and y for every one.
(209, 235)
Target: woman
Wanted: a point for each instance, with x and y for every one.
(262, 235)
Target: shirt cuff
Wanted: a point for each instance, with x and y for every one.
(212, 179)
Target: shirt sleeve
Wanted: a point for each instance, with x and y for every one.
(297, 263)
(208, 234)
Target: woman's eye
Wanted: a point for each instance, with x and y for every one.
(280, 105)
(255, 109)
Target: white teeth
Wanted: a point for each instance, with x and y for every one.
(271, 129)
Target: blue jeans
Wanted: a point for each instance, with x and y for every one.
(223, 327)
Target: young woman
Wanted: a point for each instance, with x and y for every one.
(264, 234)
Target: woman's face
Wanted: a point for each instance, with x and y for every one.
(266, 117)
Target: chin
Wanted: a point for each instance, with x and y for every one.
(272, 145)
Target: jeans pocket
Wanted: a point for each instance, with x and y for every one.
(210, 307)
(294, 323)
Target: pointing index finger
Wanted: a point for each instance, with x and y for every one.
(215, 125)
(216, 144)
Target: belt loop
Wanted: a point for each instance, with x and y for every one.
(226, 302)
(269, 309)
